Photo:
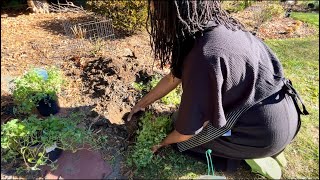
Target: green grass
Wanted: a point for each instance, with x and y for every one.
(300, 60)
(310, 18)
(172, 165)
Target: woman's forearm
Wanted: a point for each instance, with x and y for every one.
(165, 85)
(174, 137)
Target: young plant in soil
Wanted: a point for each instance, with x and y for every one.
(31, 139)
(152, 130)
(33, 89)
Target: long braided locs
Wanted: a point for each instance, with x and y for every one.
(173, 25)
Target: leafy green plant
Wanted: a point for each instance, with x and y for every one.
(97, 47)
(233, 6)
(28, 139)
(152, 131)
(32, 87)
(139, 86)
(128, 16)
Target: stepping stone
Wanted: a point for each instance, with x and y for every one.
(84, 164)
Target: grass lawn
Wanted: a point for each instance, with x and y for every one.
(300, 60)
(310, 18)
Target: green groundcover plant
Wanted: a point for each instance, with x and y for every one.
(151, 132)
(28, 139)
(30, 88)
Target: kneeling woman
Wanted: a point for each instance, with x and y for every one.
(232, 83)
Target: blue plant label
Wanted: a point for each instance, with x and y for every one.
(227, 133)
(42, 72)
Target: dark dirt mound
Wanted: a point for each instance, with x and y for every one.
(7, 106)
(96, 76)
(102, 81)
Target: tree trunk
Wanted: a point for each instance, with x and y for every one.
(38, 6)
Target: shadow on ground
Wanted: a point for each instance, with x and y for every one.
(14, 11)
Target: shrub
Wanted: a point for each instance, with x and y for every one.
(152, 131)
(13, 4)
(127, 16)
(28, 139)
(270, 11)
(32, 87)
(233, 6)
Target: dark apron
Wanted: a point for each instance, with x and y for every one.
(210, 133)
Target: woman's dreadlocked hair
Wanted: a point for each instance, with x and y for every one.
(175, 23)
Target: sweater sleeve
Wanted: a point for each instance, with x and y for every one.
(201, 100)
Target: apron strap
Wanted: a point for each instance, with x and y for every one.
(295, 96)
(289, 89)
(209, 132)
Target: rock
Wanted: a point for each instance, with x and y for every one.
(79, 165)
(128, 53)
(4, 16)
(8, 83)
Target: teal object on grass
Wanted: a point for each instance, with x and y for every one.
(42, 72)
(210, 168)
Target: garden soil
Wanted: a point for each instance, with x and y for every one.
(99, 75)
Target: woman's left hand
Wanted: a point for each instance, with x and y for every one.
(155, 148)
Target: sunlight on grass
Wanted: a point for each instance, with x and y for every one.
(300, 59)
(310, 18)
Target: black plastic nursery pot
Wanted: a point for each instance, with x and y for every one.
(54, 155)
(48, 106)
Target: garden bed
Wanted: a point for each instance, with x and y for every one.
(100, 76)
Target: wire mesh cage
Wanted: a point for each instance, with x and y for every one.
(91, 30)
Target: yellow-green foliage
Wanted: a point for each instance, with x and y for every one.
(127, 16)
(233, 6)
(271, 10)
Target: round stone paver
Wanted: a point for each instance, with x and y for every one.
(84, 164)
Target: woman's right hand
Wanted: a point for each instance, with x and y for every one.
(166, 84)
(134, 110)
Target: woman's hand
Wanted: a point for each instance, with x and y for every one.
(134, 110)
(173, 137)
(165, 85)
(155, 148)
